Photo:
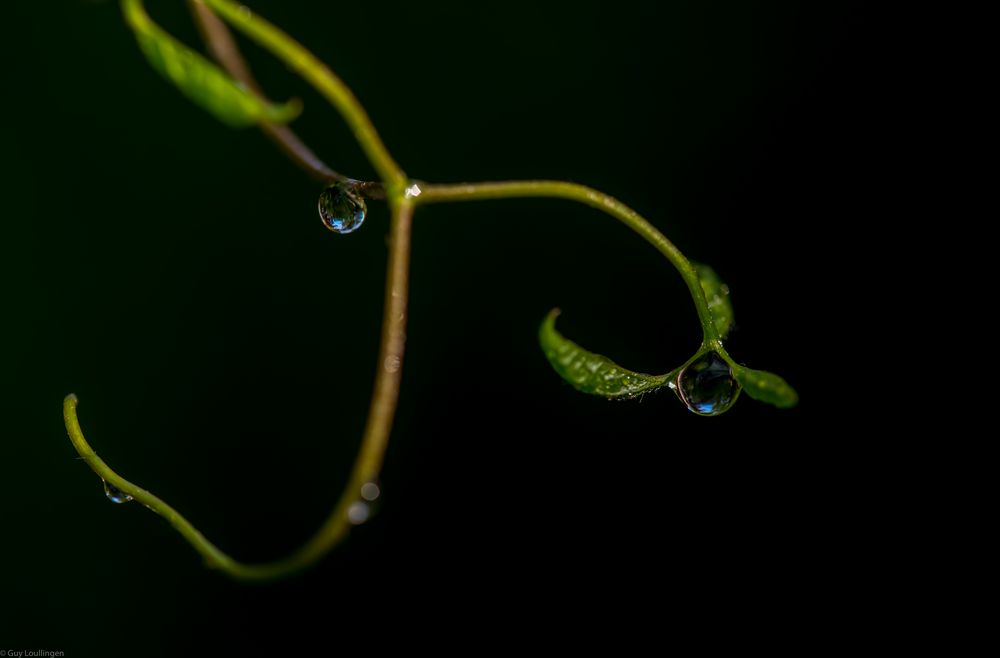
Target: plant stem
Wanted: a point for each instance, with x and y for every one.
(391, 186)
(324, 80)
(594, 199)
(223, 48)
(373, 444)
(388, 377)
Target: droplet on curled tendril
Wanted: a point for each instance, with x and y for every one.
(707, 386)
(115, 495)
(342, 208)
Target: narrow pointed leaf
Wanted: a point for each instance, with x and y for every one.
(717, 296)
(766, 387)
(589, 372)
(200, 80)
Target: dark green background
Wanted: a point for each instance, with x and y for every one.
(173, 273)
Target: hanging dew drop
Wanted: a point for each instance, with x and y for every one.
(115, 495)
(707, 386)
(341, 208)
(370, 491)
(364, 509)
(358, 512)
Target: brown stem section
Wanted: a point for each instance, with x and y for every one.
(393, 342)
(223, 48)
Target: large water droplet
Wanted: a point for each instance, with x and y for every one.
(115, 495)
(707, 386)
(341, 208)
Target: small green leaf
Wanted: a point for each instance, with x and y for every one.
(717, 296)
(766, 387)
(589, 372)
(200, 80)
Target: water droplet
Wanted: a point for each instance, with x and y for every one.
(370, 491)
(707, 386)
(341, 208)
(115, 495)
(358, 512)
(413, 191)
(391, 363)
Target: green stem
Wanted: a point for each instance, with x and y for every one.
(594, 199)
(373, 444)
(323, 79)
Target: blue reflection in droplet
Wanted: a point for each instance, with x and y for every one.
(707, 385)
(341, 208)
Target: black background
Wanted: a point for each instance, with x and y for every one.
(173, 273)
